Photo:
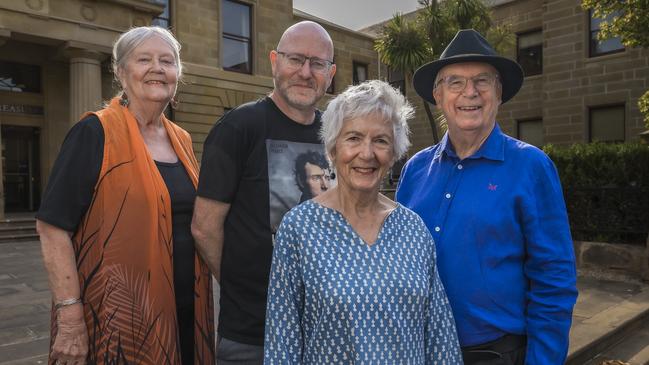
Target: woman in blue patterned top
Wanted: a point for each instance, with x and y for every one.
(353, 279)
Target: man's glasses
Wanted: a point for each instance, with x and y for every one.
(296, 61)
(457, 84)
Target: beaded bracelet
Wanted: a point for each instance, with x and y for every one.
(66, 302)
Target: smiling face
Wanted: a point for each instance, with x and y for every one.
(150, 73)
(302, 88)
(364, 153)
(470, 110)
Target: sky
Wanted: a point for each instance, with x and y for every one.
(355, 14)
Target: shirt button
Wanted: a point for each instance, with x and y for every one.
(448, 196)
(459, 167)
(437, 229)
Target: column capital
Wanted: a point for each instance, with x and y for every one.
(74, 49)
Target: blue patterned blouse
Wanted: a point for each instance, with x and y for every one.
(332, 299)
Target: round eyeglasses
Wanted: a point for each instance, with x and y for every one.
(296, 61)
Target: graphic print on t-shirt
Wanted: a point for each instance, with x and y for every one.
(296, 172)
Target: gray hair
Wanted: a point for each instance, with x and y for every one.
(130, 40)
(370, 97)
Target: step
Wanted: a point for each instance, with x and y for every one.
(18, 237)
(632, 350)
(18, 228)
(607, 328)
(10, 222)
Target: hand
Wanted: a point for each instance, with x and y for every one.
(71, 342)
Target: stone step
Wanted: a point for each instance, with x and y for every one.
(18, 228)
(18, 237)
(623, 324)
(632, 350)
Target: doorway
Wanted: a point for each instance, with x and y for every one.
(21, 168)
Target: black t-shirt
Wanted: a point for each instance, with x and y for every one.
(249, 162)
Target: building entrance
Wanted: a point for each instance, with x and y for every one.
(21, 168)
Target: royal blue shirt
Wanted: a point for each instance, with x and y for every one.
(504, 249)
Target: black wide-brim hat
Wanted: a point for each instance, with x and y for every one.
(469, 46)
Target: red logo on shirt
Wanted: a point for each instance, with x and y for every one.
(492, 187)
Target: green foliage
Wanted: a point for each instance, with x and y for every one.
(601, 164)
(631, 25)
(643, 104)
(403, 45)
(606, 190)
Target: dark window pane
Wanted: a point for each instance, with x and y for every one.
(19, 77)
(397, 80)
(360, 73)
(236, 56)
(530, 53)
(531, 131)
(607, 124)
(236, 42)
(236, 19)
(162, 20)
(601, 47)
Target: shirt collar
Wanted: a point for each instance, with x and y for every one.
(493, 147)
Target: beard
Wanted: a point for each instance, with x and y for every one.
(300, 95)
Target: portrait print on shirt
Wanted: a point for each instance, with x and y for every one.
(296, 172)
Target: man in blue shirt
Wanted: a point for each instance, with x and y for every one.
(495, 208)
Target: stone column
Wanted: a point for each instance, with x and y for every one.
(85, 81)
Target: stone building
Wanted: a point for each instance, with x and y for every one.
(55, 65)
(576, 89)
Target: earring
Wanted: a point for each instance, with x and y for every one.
(123, 100)
(174, 103)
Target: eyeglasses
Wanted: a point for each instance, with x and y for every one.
(296, 61)
(457, 84)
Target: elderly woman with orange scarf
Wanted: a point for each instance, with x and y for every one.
(114, 224)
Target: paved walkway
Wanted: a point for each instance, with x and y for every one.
(603, 305)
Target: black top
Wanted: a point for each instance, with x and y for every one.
(235, 169)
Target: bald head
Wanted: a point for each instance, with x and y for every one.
(307, 32)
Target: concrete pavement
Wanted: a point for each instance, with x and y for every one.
(603, 306)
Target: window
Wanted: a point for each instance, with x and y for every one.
(530, 52)
(18, 77)
(531, 131)
(606, 46)
(360, 72)
(236, 41)
(397, 80)
(606, 124)
(162, 20)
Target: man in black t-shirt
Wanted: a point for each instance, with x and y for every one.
(246, 186)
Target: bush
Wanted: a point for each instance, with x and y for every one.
(606, 188)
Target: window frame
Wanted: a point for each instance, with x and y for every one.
(399, 84)
(168, 8)
(606, 106)
(518, 49)
(238, 38)
(592, 37)
(355, 64)
(527, 120)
